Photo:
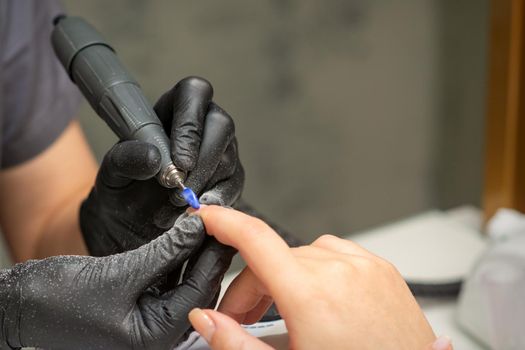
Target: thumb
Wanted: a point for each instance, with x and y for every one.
(223, 333)
(127, 161)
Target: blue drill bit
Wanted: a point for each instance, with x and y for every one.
(190, 198)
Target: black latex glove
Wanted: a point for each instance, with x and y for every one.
(79, 302)
(127, 207)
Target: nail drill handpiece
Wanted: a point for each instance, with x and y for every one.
(112, 92)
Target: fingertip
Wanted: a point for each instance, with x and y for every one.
(204, 213)
(222, 332)
(197, 84)
(210, 213)
(203, 324)
(207, 209)
(153, 157)
(229, 226)
(195, 212)
(215, 209)
(130, 160)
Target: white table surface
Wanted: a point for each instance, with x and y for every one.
(431, 247)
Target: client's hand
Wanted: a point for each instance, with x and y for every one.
(332, 294)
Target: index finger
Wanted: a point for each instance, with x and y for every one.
(264, 251)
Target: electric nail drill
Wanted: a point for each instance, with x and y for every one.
(113, 93)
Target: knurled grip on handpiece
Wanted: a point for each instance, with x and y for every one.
(112, 92)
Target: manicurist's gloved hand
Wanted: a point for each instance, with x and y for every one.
(127, 207)
(78, 302)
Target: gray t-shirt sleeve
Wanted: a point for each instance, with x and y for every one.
(38, 98)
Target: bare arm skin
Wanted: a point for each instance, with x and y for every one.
(40, 199)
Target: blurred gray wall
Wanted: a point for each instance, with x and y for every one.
(349, 113)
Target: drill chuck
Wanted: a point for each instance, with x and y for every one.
(171, 177)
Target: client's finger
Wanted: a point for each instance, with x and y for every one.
(243, 298)
(221, 332)
(257, 313)
(264, 251)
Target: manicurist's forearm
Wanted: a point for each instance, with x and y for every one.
(61, 234)
(40, 198)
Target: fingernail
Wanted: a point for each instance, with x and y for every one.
(191, 211)
(202, 323)
(442, 343)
